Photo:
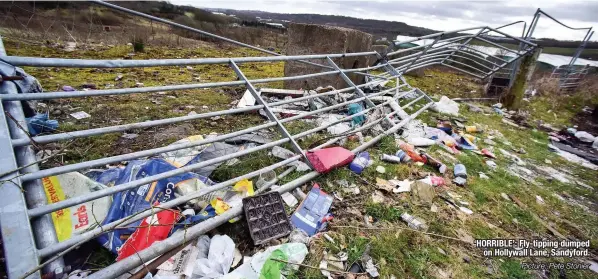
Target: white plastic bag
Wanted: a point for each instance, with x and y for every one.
(220, 257)
(584, 136)
(295, 253)
(446, 105)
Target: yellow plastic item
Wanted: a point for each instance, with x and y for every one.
(244, 186)
(470, 138)
(219, 206)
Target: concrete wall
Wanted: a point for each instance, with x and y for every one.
(321, 39)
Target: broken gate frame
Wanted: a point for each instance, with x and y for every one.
(564, 73)
(21, 242)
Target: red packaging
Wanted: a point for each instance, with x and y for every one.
(153, 228)
(488, 153)
(327, 159)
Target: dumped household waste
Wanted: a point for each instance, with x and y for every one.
(41, 123)
(78, 218)
(266, 217)
(283, 153)
(203, 258)
(414, 222)
(273, 263)
(80, 115)
(460, 173)
(312, 214)
(446, 105)
(423, 192)
(327, 159)
(390, 158)
(361, 161)
(154, 228)
(143, 197)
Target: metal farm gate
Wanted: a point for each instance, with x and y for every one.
(29, 238)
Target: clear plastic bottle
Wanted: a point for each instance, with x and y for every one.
(414, 222)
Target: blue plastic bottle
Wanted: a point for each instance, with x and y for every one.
(460, 171)
(360, 162)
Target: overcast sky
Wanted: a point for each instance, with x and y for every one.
(437, 15)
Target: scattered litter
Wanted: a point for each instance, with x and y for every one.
(264, 179)
(410, 150)
(378, 197)
(384, 185)
(80, 115)
(336, 129)
(487, 153)
(433, 180)
(328, 238)
(446, 105)
(547, 161)
(354, 109)
(370, 268)
(584, 136)
(247, 99)
(380, 169)
(423, 192)
(460, 174)
(310, 214)
(404, 186)
(129, 136)
(40, 123)
(414, 222)
(67, 88)
(539, 200)
(483, 175)
(283, 153)
(434, 208)
(266, 217)
(327, 159)
(154, 228)
(287, 197)
(361, 161)
(264, 265)
(572, 157)
(491, 164)
(465, 210)
(299, 236)
(390, 158)
(421, 142)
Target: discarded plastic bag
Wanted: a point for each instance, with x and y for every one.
(78, 218)
(283, 153)
(446, 105)
(354, 109)
(153, 228)
(263, 265)
(584, 136)
(41, 123)
(219, 259)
